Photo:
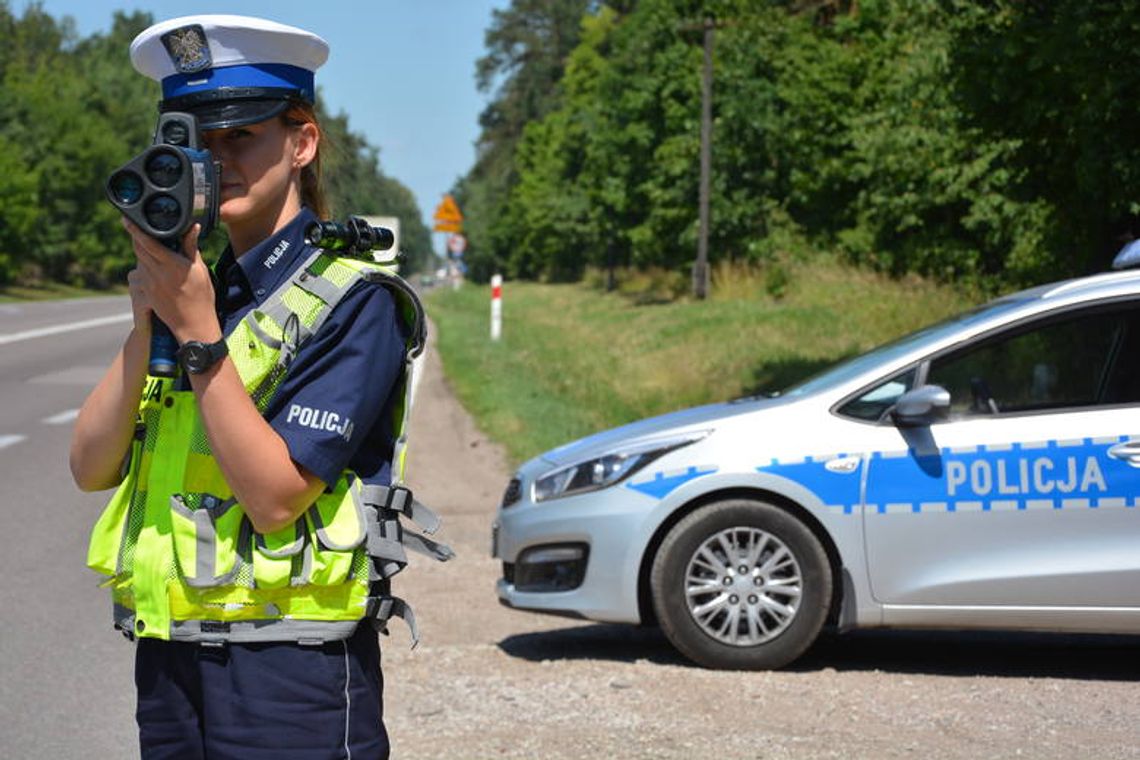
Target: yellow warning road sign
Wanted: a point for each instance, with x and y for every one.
(447, 217)
(447, 227)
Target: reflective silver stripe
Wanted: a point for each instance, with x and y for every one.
(306, 569)
(255, 327)
(316, 285)
(401, 430)
(251, 631)
(347, 701)
(274, 306)
(206, 539)
(276, 311)
(324, 289)
(293, 334)
(286, 551)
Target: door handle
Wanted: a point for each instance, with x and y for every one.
(1129, 451)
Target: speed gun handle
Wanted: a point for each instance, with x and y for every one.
(163, 345)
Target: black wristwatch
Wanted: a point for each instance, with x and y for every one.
(196, 357)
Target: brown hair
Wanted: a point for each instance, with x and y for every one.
(312, 193)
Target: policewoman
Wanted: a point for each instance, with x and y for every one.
(257, 516)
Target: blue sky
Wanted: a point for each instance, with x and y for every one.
(403, 71)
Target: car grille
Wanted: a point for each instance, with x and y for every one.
(513, 492)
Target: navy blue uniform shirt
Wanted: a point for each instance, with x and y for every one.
(347, 369)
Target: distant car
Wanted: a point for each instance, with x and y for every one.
(983, 472)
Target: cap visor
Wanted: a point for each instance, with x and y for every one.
(236, 113)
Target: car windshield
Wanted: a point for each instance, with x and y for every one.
(844, 371)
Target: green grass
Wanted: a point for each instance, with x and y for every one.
(574, 360)
(50, 291)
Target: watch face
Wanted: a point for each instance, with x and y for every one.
(197, 357)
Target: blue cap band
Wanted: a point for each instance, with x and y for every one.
(280, 75)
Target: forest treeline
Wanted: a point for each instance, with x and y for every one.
(73, 109)
(994, 141)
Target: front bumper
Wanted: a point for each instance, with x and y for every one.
(577, 556)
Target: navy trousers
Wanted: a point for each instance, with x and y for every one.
(275, 701)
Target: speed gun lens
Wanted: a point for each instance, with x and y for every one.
(126, 188)
(175, 133)
(162, 213)
(164, 169)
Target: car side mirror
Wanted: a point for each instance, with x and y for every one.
(922, 406)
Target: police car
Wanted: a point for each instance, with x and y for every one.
(983, 472)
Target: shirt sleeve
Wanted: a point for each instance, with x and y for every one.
(334, 391)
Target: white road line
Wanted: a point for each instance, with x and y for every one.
(62, 418)
(9, 440)
(69, 327)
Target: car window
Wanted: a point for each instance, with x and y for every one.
(845, 371)
(872, 404)
(1123, 386)
(1073, 362)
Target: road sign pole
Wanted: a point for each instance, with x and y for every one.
(448, 219)
(496, 306)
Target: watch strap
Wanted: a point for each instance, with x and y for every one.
(215, 352)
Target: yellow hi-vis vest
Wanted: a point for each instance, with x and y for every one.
(183, 560)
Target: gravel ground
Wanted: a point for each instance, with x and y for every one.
(488, 682)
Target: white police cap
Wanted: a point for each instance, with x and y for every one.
(229, 70)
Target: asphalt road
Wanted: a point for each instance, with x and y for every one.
(490, 682)
(65, 674)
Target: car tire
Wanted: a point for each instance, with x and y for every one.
(741, 585)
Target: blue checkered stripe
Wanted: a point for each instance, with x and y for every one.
(661, 484)
(1054, 475)
(837, 490)
(1047, 475)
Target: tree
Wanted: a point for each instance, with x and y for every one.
(72, 110)
(527, 45)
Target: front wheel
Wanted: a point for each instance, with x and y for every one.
(741, 585)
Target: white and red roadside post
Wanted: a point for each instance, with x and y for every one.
(496, 306)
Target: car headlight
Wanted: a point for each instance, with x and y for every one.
(606, 470)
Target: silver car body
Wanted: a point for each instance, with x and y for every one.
(1012, 521)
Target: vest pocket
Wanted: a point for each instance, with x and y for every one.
(336, 529)
(273, 556)
(107, 537)
(207, 539)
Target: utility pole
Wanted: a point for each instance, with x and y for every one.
(701, 265)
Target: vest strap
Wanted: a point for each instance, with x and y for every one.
(418, 338)
(427, 547)
(400, 499)
(275, 307)
(387, 549)
(322, 288)
(381, 609)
